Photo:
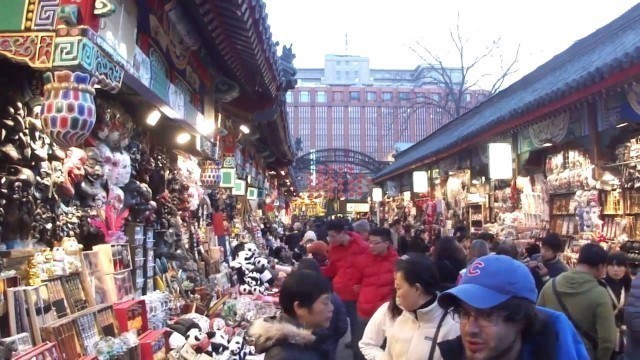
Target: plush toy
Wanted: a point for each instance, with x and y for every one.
(199, 342)
(219, 341)
(237, 349)
(252, 248)
(245, 289)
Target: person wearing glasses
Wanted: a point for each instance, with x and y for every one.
(495, 306)
(374, 278)
(412, 323)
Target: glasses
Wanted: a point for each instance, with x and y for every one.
(484, 318)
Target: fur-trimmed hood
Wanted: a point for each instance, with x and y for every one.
(276, 331)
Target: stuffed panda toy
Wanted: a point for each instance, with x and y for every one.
(180, 328)
(261, 266)
(252, 248)
(252, 279)
(258, 290)
(237, 349)
(199, 342)
(219, 341)
(244, 289)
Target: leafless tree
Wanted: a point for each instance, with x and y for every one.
(467, 74)
(458, 80)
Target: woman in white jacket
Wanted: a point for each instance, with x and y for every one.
(412, 322)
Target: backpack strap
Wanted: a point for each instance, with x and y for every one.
(585, 334)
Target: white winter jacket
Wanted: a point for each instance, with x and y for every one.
(408, 337)
(375, 333)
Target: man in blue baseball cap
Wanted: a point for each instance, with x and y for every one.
(495, 304)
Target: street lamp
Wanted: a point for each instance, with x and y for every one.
(376, 196)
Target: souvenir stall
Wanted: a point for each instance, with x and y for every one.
(104, 222)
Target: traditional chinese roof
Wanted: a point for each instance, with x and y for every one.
(607, 57)
(238, 37)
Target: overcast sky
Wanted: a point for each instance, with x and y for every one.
(384, 30)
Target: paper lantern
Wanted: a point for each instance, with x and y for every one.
(420, 181)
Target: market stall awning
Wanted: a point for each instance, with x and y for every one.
(237, 36)
(609, 56)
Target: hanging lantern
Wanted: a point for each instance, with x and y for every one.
(341, 195)
(352, 195)
(340, 188)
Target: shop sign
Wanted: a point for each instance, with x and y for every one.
(558, 129)
(119, 32)
(357, 207)
(229, 162)
(618, 108)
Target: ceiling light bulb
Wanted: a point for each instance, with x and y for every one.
(206, 127)
(153, 117)
(622, 125)
(282, 172)
(244, 129)
(182, 138)
(547, 144)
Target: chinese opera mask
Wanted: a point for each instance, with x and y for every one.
(73, 169)
(90, 190)
(123, 170)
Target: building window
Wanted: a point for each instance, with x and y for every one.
(339, 62)
(387, 96)
(289, 96)
(403, 95)
(420, 96)
(347, 75)
(338, 75)
(321, 96)
(337, 127)
(435, 97)
(337, 96)
(354, 95)
(467, 97)
(304, 96)
(356, 74)
(371, 96)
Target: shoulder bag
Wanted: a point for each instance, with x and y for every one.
(434, 341)
(585, 334)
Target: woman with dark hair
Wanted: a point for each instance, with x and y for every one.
(617, 281)
(508, 248)
(478, 248)
(418, 243)
(449, 259)
(412, 321)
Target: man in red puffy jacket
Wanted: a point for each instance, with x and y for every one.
(374, 276)
(344, 250)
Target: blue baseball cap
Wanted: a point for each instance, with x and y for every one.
(490, 281)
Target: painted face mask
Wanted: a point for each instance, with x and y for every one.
(109, 162)
(123, 170)
(116, 197)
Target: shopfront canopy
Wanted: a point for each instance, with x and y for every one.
(607, 57)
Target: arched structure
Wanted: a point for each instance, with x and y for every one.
(361, 161)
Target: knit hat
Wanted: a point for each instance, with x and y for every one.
(318, 248)
(309, 235)
(361, 226)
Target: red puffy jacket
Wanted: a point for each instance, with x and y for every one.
(341, 268)
(375, 277)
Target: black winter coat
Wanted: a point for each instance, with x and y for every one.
(281, 338)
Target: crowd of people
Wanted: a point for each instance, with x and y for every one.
(402, 297)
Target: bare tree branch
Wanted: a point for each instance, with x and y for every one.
(456, 83)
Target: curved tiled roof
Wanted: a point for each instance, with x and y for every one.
(607, 51)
